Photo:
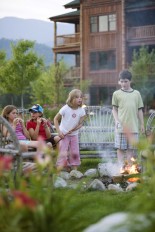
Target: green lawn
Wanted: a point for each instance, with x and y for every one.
(90, 206)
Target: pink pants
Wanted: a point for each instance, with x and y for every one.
(69, 151)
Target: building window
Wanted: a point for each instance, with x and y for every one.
(93, 22)
(103, 60)
(103, 23)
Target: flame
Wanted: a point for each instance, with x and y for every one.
(133, 179)
(132, 168)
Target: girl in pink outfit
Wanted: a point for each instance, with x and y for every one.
(10, 113)
(71, 116)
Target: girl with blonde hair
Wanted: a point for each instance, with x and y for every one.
(71, 116)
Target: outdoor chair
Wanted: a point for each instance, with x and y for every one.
(9, 145)
(150, 129)
(97, 132)
(150, 135)
(150, 125)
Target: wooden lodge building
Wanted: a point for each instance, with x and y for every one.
(106, 33)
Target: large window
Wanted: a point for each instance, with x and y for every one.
(103, 60)
(103, 23)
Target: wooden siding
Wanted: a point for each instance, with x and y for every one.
(104, 78)
(107, 78)
(102, 41)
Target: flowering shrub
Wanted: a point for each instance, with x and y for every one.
(34, 205)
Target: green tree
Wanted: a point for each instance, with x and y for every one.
(2, 67)
(24, 67)
(49, 88)
(143, 71)
(43, 88)
(2, 59)
(59, 70)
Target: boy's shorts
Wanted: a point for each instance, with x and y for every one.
(122, 142)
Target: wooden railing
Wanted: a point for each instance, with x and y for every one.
(73, 73)
(141, 32)
(63, 40)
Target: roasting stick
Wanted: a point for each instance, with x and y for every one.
(75, 128)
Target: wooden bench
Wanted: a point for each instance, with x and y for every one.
(97, 132)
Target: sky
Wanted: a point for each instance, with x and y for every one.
(33, 9)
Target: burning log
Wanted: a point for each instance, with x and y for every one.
(126, 178)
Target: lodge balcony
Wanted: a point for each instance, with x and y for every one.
(67, 43)
(106, 78)
(141, 34)
(72, 75)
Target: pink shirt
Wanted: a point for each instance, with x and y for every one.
(19, 132)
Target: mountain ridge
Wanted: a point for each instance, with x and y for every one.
(32, 29)
(42, 50)
(13, 29)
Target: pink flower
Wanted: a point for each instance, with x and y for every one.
(22, 199)
(5, 162)
(42, 156)
(43, 160)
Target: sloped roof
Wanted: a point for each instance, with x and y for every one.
(73, 4)
(71, 17)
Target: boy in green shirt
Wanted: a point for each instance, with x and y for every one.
(127, 111)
